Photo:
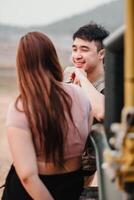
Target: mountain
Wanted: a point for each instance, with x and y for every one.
(110, 15)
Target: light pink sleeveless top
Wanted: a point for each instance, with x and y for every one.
(81, 112)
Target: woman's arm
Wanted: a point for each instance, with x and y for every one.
(24, 159)
(96, 99)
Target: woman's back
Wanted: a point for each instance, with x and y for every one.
(47, 127)
(75, 139)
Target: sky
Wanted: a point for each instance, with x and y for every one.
(42, 12)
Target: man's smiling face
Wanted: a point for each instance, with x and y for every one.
(85, 54)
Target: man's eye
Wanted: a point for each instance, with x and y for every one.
(74, 49)
(85, 49)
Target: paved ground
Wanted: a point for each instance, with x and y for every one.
(7, 93)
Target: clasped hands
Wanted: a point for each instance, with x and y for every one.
(74, 75)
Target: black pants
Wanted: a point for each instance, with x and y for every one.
(66, 186)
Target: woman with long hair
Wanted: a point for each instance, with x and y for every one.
(47, 127)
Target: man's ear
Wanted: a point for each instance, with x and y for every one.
(102, 54)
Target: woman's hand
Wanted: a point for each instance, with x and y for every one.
(73, 75)
(78, 76)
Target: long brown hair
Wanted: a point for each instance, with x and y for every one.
(43, 97)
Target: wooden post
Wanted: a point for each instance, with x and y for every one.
(129, 54)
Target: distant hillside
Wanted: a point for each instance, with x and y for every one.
(110, 15)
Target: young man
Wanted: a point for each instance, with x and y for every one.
(88, 54)
(88, 58)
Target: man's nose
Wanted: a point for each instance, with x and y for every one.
(77, 55)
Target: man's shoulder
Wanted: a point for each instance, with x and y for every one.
(100, 84)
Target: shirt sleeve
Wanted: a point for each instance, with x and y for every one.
(16, 118)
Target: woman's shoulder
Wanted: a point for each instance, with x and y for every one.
(14, 106)
(74, 88)
(16, 116)
(77, 94)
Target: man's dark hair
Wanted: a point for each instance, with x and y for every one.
(92, 32)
